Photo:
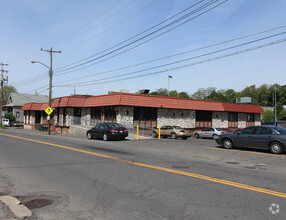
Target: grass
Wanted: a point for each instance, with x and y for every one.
(3, 127)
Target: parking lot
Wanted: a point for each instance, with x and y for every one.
(208, 150)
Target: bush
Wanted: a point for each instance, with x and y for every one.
(10, 116)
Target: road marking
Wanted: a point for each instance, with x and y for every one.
(265, 154)
(194, 175)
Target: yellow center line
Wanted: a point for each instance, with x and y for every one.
(246, 152)
(193, 175)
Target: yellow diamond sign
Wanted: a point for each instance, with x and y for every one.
(49, 110)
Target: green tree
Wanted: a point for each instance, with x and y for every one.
(7, 90)
(161, 92)
(268, 116)
(10, 116)
(184, 95)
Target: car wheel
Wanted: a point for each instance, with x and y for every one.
(173, 136)
(227, 143)
(89, 136)
(197, 135)
(105, 138)
(276, 148)
(215, 136)
(154, 134)
(123, 138)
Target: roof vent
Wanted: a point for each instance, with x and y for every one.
(143, 91)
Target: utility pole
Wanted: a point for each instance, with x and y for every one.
(51, 51)
(2, 84)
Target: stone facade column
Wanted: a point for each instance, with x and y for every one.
(257, 119)
(33, 117)
(242, 120)
(124, 115)
(182, 118)
(69, 116)
(220, 119)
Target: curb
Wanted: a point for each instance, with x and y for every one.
(20, 211)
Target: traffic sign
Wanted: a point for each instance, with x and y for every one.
(49, 110)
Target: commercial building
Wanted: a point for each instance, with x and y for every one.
(144, 110)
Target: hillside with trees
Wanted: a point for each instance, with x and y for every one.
(263, 95)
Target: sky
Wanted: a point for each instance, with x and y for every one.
(136, 44)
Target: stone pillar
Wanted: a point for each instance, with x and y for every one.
(242, 120)
(220, 119)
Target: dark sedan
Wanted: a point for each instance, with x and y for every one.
(107, 131)
(272, 138)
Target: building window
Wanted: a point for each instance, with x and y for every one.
(205, 116)
(64, 116)
(232, 116)
(203, 119)
(95, 113)
(58, 116)
(110, 114)
(17, 114)
(145, 116)
(250, 117)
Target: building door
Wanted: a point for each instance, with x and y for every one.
(77, 116)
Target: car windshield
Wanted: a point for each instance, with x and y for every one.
(219, 129)
(281, 130)
(177, 127)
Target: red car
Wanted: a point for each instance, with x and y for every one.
(227, 130)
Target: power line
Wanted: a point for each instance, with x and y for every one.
(86, 30)
(184, 66)
(126, 45)
(117, 24)
(178, 54)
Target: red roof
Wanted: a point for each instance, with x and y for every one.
(127, 99)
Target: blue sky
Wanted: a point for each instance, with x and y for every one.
(82, 29)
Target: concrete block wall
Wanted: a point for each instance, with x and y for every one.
(183, 118)
(220, 119)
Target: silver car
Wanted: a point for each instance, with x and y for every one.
(209, 133)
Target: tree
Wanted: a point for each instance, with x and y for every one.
(184, 95)
(203, 93)
(10, 116)
(268, 116)
(7, 90)
(161, 92)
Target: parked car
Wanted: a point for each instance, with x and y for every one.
(107, 131)
(172, 131)
(5, 121)
(209, 133)
(276, 123)
(16, 124)
(227, 130)
(272, 138)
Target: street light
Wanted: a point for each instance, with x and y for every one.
(51, 51)
(50, 91)
(169, 76)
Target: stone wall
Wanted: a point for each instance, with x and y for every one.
(242, 120)
(85, 116)
(124, 115)
(257, 119)
(32, 117)
(220, 119)
(69, 116)
(183, 118)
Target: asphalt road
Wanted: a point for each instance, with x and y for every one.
(147, 179)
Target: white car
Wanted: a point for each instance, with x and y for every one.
(209, 133)
(5, 121)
